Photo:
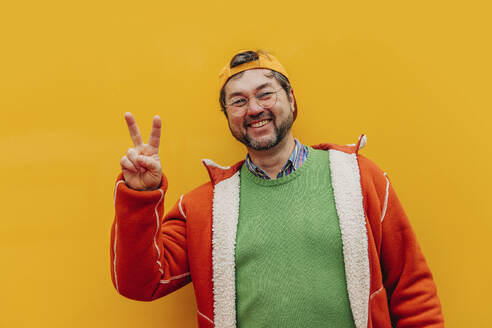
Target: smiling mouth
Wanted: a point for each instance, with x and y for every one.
(259, 124)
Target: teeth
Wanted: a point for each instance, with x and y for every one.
(258, 124)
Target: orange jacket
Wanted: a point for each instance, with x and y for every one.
(388, 281)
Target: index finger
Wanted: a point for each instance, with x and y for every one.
(155, 134)
(133, 129)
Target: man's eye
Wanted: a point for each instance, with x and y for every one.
(239, 102)
(264, 95)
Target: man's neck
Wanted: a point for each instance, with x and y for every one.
(272, 160)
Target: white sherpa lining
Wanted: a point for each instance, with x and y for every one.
(209, 162)
(348, 198)
(363, 142)
(224, 228)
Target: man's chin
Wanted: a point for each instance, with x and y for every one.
(258, 143)
(261, 143)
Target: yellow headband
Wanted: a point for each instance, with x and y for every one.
(265, 60)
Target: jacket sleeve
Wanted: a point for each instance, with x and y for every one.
(148, 253)
(412, 294)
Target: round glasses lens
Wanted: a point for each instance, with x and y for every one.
(267, 99)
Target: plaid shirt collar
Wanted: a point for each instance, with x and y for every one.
(295, 160)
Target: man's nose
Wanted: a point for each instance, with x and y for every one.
(253, 107)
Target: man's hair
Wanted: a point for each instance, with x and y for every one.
(246, 57)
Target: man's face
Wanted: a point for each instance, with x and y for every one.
(257, 127)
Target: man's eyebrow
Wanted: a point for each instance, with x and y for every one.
(261, 86)
(238, 93)
(264, 85)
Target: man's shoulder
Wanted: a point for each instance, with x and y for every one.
(348, 148)
(217, 174)
(198, 202)
(200, 191)
(369, 170)
(368, 166)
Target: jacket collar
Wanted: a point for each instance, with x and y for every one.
(217, 172)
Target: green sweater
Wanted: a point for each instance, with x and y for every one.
(289, 262)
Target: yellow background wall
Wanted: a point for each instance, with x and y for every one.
(414, 76)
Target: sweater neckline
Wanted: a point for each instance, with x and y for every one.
(246, 173)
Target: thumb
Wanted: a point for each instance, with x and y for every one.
(148, 163)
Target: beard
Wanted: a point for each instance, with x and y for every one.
(264, 143)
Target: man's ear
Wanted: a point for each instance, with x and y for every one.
(291, 100)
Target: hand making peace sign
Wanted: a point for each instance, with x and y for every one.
(141, 165)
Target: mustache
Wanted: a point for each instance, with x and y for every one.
(260, 116)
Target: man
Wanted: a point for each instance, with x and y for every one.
(293, 236)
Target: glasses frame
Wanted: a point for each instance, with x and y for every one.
(229, 106)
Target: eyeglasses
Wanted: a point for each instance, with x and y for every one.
(265, 99)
